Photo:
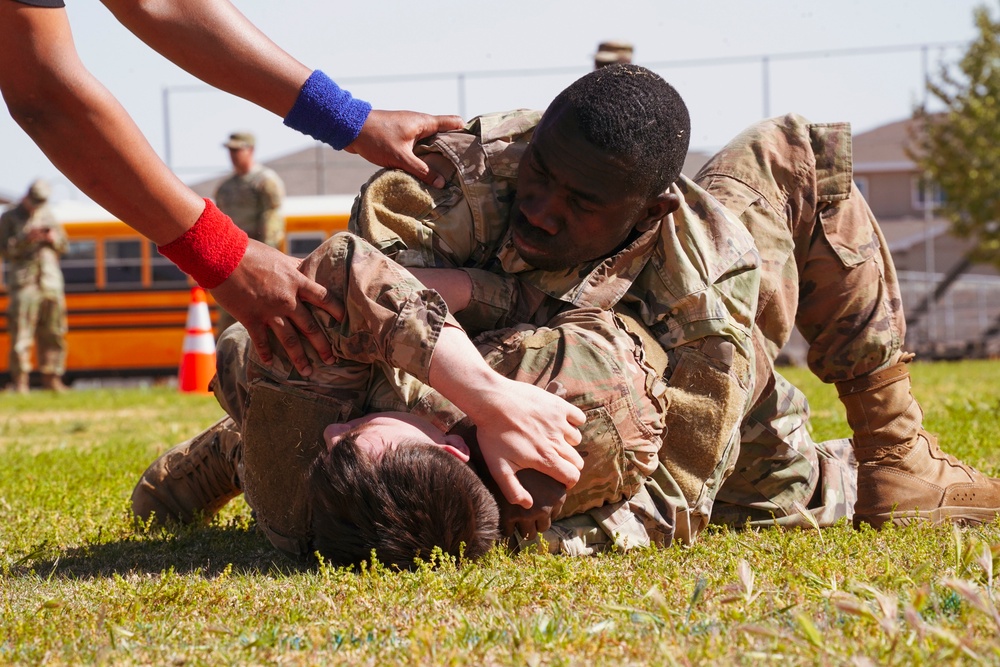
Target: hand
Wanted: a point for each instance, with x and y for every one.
(548, 496)
(387, 139)
(267, 291)
(524, 427)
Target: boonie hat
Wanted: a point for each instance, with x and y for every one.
(239, 140)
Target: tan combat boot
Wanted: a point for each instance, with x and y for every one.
(19, 383)
(903, 476)
(53, 382)
(192, 480)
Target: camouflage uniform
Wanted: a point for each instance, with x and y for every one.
(253, 200)
(694, 282)
(385, 344)
(826, 269)
(37, 298)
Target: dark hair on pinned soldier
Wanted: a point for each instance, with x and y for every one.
(631, 112)
(401, 505)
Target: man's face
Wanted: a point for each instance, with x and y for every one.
(573, 202)
(381, 431)
(242, 159)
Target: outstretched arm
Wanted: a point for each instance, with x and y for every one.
(212, 40)
(90, 138)
(518, 425)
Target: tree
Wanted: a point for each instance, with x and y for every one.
(959, 148)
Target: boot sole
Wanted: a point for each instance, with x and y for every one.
(973, 516)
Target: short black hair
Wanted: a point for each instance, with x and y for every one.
(631, 112)
(400, 506)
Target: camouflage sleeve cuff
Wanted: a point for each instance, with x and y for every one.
(415, 333)
(493, 299)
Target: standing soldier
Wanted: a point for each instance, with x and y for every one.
(252, 197)
(31, 241)
(609, 53)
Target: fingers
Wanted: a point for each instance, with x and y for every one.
(258, 336)
(446, 124)
(310, 328)
(511, 488)
(321, 297)
(288, 338)
(417, 167)
(566, 472)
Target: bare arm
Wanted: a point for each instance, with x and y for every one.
(91, 139)
(454, 285)
(518, 424)
(212, 40)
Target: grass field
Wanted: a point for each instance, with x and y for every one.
(79, 584)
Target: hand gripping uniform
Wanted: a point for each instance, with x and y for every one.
(385, 344)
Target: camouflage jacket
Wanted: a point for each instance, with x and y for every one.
(253, 201)
(32, 262)
(693, 279)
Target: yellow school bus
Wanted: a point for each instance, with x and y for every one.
(127, 304)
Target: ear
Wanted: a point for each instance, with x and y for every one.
(456, 452)
(333, 433)
(657, 208)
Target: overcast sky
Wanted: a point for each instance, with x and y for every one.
(358, 43)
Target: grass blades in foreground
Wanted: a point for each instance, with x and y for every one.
(79, 584)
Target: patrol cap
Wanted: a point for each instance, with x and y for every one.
(39, 191)
(611, 52)
(239, 140)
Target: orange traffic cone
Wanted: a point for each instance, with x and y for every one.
(198, 359)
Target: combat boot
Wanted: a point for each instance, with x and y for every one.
(903, 476)
(19, 383)
(192, 480)
(53, 382)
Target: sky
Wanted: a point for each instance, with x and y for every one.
(403, 54)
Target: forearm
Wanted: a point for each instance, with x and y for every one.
(83, 130)
(213, 41)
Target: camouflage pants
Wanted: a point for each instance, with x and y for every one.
(584, 355)
(37, 315)
(827, 270)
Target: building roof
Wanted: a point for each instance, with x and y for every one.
(317, 170)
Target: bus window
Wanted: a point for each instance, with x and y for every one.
(123, 263)
(79, 266)
(163, 271)
(301, 244)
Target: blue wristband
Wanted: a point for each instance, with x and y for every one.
(327, 112)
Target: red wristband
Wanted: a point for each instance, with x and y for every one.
(210, 250)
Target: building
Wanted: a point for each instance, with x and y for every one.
(964, 318)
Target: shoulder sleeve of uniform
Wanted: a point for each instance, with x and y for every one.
(704, 278)
(271, 189)
(418, 225)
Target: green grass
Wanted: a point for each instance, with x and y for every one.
(79, 584)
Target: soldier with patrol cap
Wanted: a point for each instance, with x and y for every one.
(252, 197)
(609, 53)
(31, 241)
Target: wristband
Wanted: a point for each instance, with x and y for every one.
(325, 111)
(210, 250)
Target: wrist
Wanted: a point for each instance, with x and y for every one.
(327, 112)
(210, 250)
